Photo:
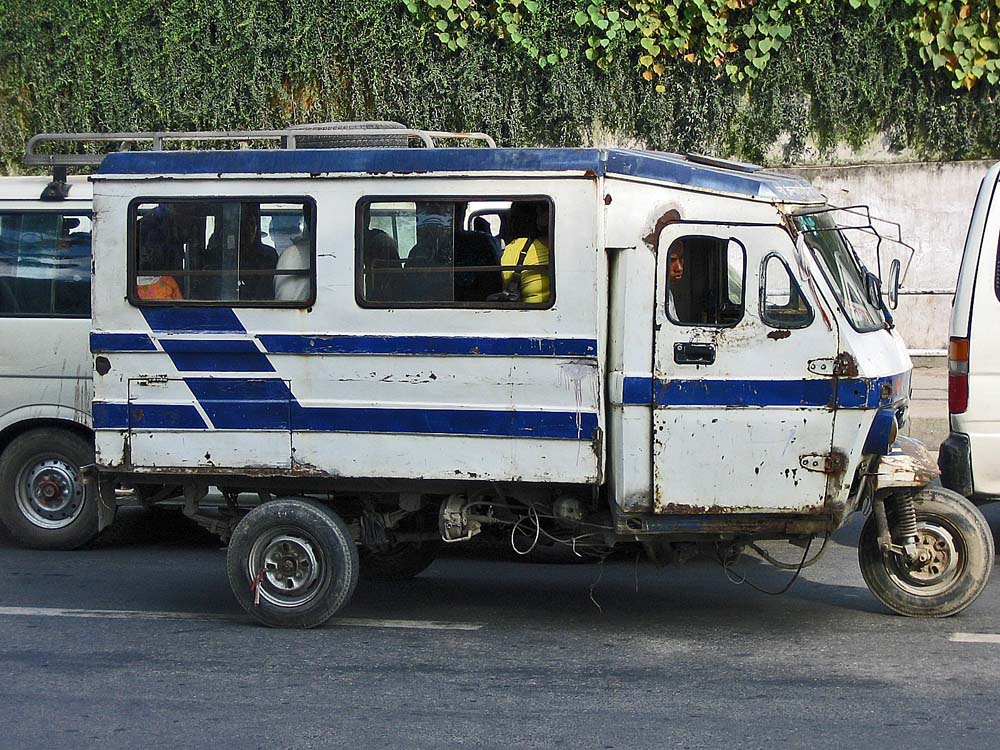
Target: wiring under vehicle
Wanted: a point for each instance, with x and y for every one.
(726, 560)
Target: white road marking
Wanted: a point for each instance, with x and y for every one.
(127, 614)
(975, 638)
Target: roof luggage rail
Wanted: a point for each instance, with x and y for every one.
(375, 134)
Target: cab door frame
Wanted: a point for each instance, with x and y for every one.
(742, 417)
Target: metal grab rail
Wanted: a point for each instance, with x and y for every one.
(287, 138)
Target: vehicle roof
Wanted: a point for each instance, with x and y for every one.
(694, 172)
(29, 188)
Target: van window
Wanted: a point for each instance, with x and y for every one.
(705, 281)
(44, 264)
(781, 303)
(455, 253)
(247, 253)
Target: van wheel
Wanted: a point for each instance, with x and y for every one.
(396, 562)
(44, 503)
(956, 555)
(292, 563)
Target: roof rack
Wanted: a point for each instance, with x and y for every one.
(375, 134)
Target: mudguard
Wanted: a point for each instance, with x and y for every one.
(908, 464)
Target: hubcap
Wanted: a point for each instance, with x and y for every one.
(49, 493)
(286, 567)
(935, 566)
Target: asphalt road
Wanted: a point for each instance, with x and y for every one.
(138, 643)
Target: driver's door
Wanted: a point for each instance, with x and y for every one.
(738, 413)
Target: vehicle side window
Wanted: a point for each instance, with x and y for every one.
(44, 264)
(455, 253)
(245, 253)
(705, 281)
(782, 304)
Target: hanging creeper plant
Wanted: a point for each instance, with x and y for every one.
(961, 37)
(454, 21)
(738, 37)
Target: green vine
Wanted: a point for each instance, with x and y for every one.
(963, 38)
(843, 77)
(737, 37)
(453, 21)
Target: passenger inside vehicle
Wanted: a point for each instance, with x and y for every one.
(526, 258)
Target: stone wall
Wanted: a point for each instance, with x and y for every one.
(932, 202)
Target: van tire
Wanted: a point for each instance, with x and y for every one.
(292, 563)
(965, 545)
(397, 562)
(41, 461)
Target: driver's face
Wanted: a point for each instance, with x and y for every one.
(676, 263)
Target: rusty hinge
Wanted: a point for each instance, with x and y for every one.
(827, 463)
(841, 366)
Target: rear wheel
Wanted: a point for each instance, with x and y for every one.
(44, 502)
(953, 564)
(292, 563)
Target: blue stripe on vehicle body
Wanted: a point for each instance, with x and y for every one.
(216, 355)
(244, 403)
(672, 169)
(270, 406)
(844, 393)
(317, 343)
(140, 416)
(121, 342)
(268, 403)
(180, 319)
(483, 422)
(109, 416)
(428, 345)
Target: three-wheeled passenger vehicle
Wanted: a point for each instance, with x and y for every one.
(397, 343)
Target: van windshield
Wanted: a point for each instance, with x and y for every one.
(842, 269)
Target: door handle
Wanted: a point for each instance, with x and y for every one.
(689, 353)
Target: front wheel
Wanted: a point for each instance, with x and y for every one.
(954, 558)
(292, 563)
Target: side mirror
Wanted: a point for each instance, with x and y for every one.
(892, 293)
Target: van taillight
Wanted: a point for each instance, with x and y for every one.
(958, 375)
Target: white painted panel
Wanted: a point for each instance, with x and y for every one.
(447, 457)
(164, 449)
(45, 367)
(720, 460)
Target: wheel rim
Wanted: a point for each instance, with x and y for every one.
(940, 560)
(49, 493)
(288, 567)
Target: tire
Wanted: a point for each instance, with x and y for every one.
(961, 564)
(315, 544)
(397, 562)
(44, 503)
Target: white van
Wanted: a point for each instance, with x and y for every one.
(970, 457)
(574, 345)
(45, 364)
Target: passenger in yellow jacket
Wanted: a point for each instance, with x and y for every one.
(534, 286)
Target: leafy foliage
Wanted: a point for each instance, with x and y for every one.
(843, 74)
(962, 37)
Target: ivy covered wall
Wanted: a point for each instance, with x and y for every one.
(841, 75)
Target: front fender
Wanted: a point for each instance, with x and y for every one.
(908, 464)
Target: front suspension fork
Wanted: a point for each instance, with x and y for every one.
(896, 522)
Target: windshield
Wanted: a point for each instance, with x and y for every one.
(841, 268)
